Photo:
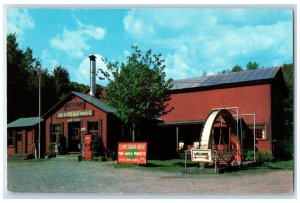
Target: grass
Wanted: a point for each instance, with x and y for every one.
(285, 165)
(177, 166)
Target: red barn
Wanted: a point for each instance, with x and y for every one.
(260, 92)
(76, 115)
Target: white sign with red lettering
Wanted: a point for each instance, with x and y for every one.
(201, 155)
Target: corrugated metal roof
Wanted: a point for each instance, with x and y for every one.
(228, 78)
(95, 102)
(24, 122)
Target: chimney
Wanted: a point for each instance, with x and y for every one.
(92, 74)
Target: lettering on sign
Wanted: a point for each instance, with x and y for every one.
(71, 114)
(201, 155)
(73, 119)
(132, 152)
(74, 105)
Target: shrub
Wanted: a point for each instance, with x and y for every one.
(264, 156)
(288, 148)
(249, 156)
(51, 151)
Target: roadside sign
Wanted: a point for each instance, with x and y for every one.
(132, 152)
(201, 155)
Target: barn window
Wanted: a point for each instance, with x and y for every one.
(93, 128)
(11, 138)
(260, 131)
(55, 130)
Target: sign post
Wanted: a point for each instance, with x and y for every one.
(132, 152)
(201, 155)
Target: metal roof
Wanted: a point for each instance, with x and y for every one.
(95, 102)
(228, 78)
(24, 122)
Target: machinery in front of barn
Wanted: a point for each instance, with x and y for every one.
(221, 139)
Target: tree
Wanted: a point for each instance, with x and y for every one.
(237, 68)
(252, 66)
(224, 71)
(288, 73)
(61, 79)
(17, 85)
(75, 86)
(22, 82)
(138, 89)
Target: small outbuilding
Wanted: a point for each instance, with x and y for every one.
(22, 137)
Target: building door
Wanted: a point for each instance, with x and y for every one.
(19, 148)
(73, 136)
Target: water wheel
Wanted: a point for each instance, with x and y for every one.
(219, 135)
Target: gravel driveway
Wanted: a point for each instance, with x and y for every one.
(102, 178)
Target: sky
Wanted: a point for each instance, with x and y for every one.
(193, 41)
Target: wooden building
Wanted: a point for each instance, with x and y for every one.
(22, 137)
(260, 92)
(76, 115)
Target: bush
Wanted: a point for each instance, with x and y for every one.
(51, 151)
(249, 156)
(97, 147)
(288, 148)
(264, 156)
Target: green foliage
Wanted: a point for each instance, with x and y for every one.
(23, 71)
(260, 156)
(288, 74)
(61, 79)
(138, 89)
(224, 71)
(97, 147)
(78, 87)
(249, 155)
(51, 151)
(252, 66)
(285, 165)
(264, 157)
(236, 68)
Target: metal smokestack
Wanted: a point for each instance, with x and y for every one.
(92, 74)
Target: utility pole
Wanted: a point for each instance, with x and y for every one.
(39, 139)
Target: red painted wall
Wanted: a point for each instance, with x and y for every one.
(98, 114)
(27, 144)
(30, 142)
(196, 106)
(10, 150)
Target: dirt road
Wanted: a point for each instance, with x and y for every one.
(102, 178)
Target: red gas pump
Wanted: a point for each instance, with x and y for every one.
(87, 147)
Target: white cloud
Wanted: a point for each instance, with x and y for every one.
(197, 40)
(48, 60)
(83, 71)
(177, 65)
(137, 27)
(126, 53)
(18, 20)
(74, 42)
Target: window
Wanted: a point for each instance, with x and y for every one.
(93, 127)
(56, 129)
(11, 138)
(19, 136)
(260, 131)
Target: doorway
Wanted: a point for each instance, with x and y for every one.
(74, 136)
(19, 148)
